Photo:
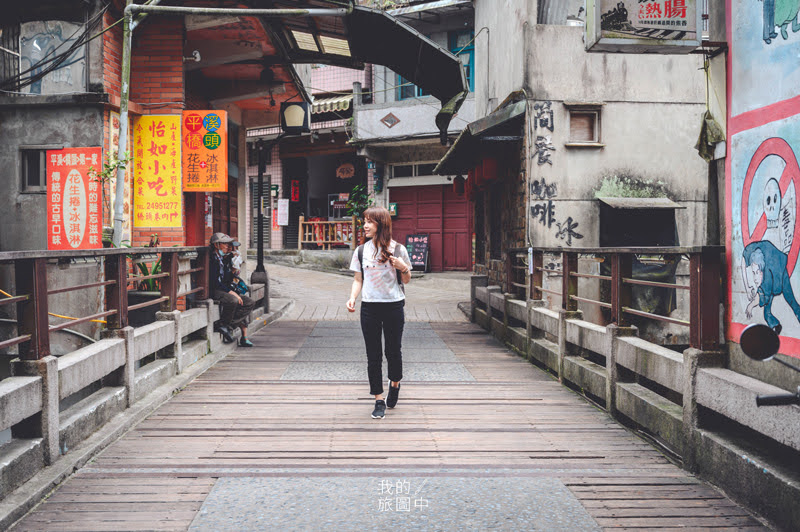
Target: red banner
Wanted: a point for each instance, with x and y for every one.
(74, 200)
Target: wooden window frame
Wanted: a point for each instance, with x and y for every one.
(585, 109)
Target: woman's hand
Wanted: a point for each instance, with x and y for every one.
(351, 304)
(398, 264)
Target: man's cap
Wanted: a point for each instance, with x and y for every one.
(221, 238)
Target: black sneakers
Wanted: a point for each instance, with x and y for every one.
(380, 409)
(391, 397)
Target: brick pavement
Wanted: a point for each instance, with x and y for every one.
(279, 437)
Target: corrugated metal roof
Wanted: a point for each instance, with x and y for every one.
(326, 105)
(641, 203)
(428, 6)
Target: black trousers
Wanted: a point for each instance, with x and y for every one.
(385, 319)
(231, 313)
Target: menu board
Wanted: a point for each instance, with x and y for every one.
(417, 246)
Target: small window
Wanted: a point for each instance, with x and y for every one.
(407, 90)
(252, 154)
(426, 169)
(33, 171)
(584, 126)
(461, 44)
(403, 170)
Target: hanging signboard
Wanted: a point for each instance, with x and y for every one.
(283, 211)
(205, 151)
(157, 197)
(295, 191)
(74, 200)
(638, 26)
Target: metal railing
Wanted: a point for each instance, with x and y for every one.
(525, 270)
(32, 288)
(325, 234)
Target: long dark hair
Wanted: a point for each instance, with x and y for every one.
(383, 234)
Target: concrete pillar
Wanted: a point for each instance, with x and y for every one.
(474, 282)
(613, 333)
(177, 349)
(129, 369)
(208, 304)
(47, 369)
(693, 361)
(532, 304)
(563, 316)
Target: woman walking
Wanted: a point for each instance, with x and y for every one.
(381, 268)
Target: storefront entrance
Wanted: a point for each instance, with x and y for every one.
(441, 213)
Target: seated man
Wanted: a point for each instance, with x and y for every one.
(234, 309)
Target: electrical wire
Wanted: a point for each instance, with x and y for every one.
(54, 63)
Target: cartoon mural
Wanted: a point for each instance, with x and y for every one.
(763, 170)
(778, 14)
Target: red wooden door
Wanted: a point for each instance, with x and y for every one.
(445, 216)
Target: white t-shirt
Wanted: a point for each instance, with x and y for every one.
(380, 280)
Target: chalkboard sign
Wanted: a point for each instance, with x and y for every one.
(417, 246)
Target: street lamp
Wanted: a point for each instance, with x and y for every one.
(295, 120)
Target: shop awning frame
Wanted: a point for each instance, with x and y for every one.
(502, 127)
(640, 203)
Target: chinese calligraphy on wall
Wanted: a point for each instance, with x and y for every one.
(157, 196)
(74, 200)
(205, 151)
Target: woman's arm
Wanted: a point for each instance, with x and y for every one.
(358, 281)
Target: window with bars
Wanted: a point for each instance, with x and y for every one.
(9, 53)
(33, 170)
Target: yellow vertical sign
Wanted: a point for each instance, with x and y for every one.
(157, 195)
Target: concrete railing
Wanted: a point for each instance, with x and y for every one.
(50, 404)
(702, 413)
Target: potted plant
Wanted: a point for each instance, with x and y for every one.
(146, 290)
(109, 171)
(357, 203)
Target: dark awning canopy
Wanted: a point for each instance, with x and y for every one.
(372, 36)
(482, 138)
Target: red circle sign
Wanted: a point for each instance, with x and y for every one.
(791, 174)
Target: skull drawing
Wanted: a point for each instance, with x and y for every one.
(772, 203)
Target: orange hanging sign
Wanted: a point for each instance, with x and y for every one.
(205, 151)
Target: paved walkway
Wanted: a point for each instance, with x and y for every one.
(322, 296)
(279, 437)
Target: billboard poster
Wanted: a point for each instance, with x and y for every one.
(157, 197)
(74, 200)
(666, 26)
(205, 151)
(283, 211)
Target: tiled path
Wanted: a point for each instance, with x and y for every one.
(279, 437)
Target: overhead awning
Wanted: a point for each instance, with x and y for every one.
(373, 36)
(640, 203)
(483, 137)
(326, 105)
(437, 4)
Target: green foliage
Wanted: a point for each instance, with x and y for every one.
(624, 184)
(149, 285)
(359, 201)
(109, 171)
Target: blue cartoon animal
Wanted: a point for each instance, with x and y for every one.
(779, 13)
